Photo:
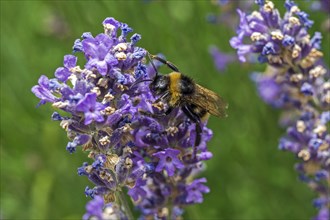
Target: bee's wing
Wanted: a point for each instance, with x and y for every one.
(209, 101)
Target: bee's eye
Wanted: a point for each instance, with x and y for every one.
(162, 83)
(159, 85)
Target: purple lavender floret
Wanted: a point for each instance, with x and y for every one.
(296, 81)
(62, 73)
(195, 191)
(154, 158)
(268, 89)
(168, 160)
(221, 59)
(323, 5)
(96, 209)
(91, 108)
(324, 214)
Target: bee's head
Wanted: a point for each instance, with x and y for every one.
(159, 85)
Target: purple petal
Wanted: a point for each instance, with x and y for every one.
(62, 74)
(102, 67)
(90, 47)
(42, 91)
(112, 22)
(70, 61)
(87, 103)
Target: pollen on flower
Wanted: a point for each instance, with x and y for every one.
(320, 129)
(275, 59)
(121, 56)
(294, 9)
(65, 124)
(269, 6)
(90, 74)
(104, 140)
(108, 98)
(109, 27)
(121, 87)
(311, 58)
(127, 150)
(315, 53)
(96, 90)
(120, 47)
(324, 146)
(163, 212)
(294, 21)
(88, 169)
(277, 35)
(326, 85)
(109, 213)
(317, 71)
(106, 176)
(76, 69)
(103, 82)
(296, 51)
(256, 14)
(60, 104)
(112, 161)
(304, 154)
(306, 39)
(311, 167)
(256, 36)
(109, 198)
(128, 163)
(326, 97)
(91, 155)
(127, 128)
(301, 126)
(172, 130)
(159, 105)
(296, 77)
(108, 110)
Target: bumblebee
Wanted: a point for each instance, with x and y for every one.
(180, 91)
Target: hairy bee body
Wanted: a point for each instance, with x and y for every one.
(180, 91)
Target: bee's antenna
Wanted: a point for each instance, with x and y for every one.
(141, 81)
(169, 64)
(152, 63)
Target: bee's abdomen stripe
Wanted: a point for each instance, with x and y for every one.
(174, 81)
(175, 78)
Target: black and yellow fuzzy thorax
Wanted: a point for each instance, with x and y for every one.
(179, 86)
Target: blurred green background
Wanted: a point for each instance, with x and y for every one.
(248, 176)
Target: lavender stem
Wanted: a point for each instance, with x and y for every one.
(124, 205)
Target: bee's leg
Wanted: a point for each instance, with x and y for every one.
(167, 112)
(192, 116)
(169, 64)
(163, 97)
(152, 115)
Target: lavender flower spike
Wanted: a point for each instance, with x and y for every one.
(295, 81)
(149, 156)
(281, 42)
